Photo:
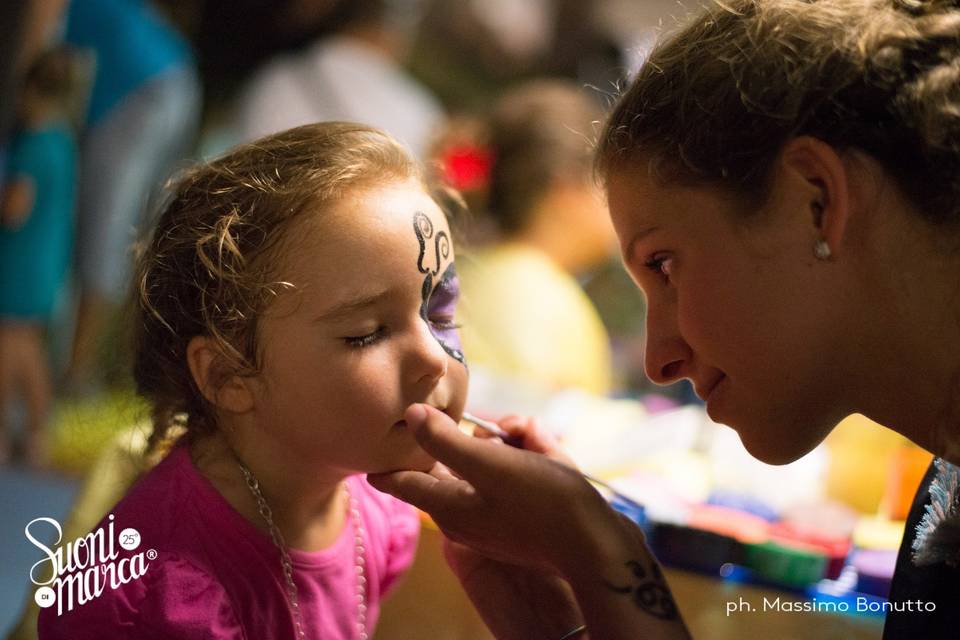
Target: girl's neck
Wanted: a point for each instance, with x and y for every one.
(309, 512)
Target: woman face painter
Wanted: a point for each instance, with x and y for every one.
(784, 179)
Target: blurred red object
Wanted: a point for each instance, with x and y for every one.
(466, 167)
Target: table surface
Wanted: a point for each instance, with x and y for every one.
(430, 603)
(703, 602)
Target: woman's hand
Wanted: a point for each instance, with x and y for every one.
(529, 435)
(513, 505)
(524, 508)
(515, 602)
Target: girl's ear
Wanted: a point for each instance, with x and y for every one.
(217, 382)
(820, 166)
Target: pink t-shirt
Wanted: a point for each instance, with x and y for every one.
(215, 575)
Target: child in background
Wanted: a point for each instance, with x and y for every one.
(36, 236)
(296, 297)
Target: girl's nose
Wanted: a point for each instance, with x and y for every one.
(430, 357)
(667, 353)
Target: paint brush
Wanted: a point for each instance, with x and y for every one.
(516, 441)
(495, 429)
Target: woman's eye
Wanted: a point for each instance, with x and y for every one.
(661, 265)
(366, 340)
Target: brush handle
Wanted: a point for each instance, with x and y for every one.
(496, 430)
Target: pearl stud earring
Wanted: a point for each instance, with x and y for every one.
(821, 250)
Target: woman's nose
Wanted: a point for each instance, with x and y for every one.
(667, 353)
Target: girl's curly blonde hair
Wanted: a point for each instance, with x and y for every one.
(210, 266)
(716, 101)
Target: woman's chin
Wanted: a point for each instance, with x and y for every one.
(775, 452)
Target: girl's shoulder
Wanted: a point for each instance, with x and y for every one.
(172, 597)
(161, 503)
(175, 513)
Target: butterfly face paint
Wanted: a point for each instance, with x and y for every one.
(438, 303)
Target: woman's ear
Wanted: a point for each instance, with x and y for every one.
(218, 383)
(819, 165)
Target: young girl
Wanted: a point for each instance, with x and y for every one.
(296, 297)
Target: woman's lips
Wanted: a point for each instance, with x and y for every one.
(706, 393)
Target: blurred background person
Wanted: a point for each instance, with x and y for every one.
(142, 118)
(27, 29)
(524, 313)
(36, 238)
(353, 70)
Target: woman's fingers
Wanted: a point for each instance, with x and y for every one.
(432, 492)
(533, 437)
(468, 457)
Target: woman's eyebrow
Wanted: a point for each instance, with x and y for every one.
(635, 240)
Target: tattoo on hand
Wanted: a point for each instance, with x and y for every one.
(649, 591)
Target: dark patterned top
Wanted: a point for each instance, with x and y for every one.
(934, 585)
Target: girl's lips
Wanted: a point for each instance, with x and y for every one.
(402, 424)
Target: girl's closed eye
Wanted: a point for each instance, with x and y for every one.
(444, 323)
(366, 340)
(662, 265)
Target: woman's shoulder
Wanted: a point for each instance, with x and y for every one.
(926, 584)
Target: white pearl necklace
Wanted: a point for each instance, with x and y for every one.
(359, 561)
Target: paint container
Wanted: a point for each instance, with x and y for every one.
(743, 502)
(745, 527)
(860, 453)
(908, 465)
(632, 510)
(874, 570)
(834, 548)
(786, 564)
(878, 533)
(694, 549)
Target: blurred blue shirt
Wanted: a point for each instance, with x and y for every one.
(132, 43)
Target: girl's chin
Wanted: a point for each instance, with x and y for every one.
(418, 460)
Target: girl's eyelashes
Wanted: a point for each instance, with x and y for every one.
(359, 342)
(660, 264)
(444, 324)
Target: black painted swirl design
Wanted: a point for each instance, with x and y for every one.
(423, 227)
